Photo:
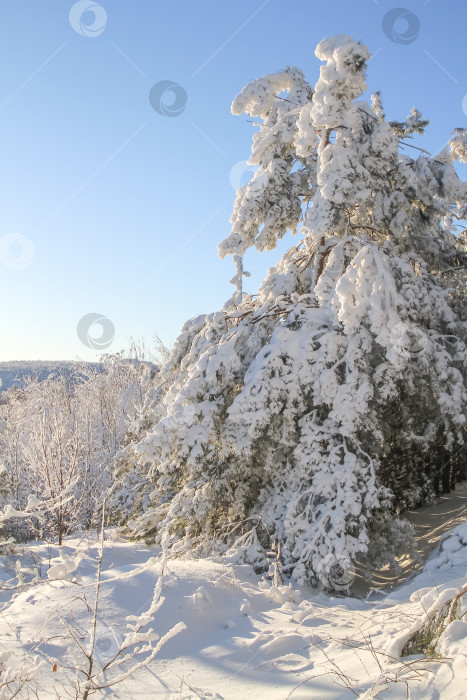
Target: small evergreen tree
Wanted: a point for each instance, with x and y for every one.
(306, 414)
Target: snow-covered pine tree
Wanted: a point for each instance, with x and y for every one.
(305, 414)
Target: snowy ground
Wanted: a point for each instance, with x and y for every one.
(244, 638)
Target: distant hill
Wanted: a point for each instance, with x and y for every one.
(14, 373)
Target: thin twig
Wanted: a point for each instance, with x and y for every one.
(90, 654)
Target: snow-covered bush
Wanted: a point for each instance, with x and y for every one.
(59, 438)
(306, 414)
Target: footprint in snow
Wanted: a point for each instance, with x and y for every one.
(282, 652)
(204, 695)
(308, 618)
(292, 663)
(284, 644)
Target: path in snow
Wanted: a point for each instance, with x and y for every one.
(430, 523)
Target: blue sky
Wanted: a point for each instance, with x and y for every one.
(108, 207)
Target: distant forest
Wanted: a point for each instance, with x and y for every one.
(14, 373)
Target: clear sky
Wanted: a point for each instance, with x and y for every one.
(110, 207)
